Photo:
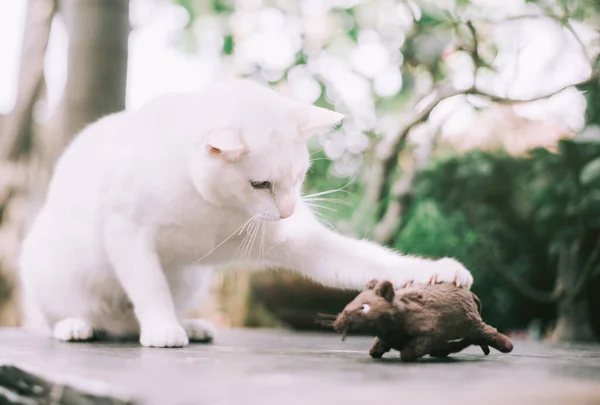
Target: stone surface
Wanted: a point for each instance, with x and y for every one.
(275, 367)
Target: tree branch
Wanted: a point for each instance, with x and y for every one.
(18, 126)
(475, 48)
(401, 190)
(387, 150)
(594, 76)
(506, 100)
(588, 270)
(533, 293)
(529, 291)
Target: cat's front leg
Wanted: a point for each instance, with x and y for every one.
(302, 243)
(132, 254)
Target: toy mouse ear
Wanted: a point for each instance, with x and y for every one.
(371, 284)
(385, 289)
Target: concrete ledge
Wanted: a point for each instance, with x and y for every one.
(276, 367)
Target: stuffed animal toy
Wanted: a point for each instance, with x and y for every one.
(419, 320)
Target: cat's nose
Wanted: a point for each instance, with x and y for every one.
(287, 212)
(286, 208)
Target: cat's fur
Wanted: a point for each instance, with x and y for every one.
(141, 202)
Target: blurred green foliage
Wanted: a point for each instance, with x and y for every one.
(499, 213)
(469, 207)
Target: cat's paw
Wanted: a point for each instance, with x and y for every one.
(73, 329)
(161, 334)
(199, 330)
(448, 270)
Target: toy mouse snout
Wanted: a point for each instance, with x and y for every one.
(342, 324)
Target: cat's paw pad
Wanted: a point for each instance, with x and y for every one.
(199, 330)
(449, 270)
(163, 335)
(73, 329)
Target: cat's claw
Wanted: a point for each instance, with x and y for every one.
(445, 270)
(163, 335)
(199, 330)
(73, 329)
(452, 271)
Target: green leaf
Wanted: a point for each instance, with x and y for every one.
(222, 6)
(228, 45)
(590, 172)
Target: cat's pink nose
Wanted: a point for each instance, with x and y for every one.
(286, 209)
(286, 214)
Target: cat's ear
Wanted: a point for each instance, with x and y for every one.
(225, 143)
(313, 120)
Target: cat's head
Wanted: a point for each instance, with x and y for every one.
(250, 150)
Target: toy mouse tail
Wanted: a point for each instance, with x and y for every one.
(496, 339)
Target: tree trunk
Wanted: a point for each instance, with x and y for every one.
(98, 32)
(16, 140)
(17, 128)
(573, 321)
(98, 35)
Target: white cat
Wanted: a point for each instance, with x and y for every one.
(142, 204)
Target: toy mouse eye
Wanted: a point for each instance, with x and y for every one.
(366, 308)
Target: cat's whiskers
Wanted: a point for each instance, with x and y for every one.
(327, 192)
(325, 199)
(317, 151)
(322, 217)
(317, 159)
(243, 249)
(252, 229)
(263, 234)
(240, 229)
(252, 240)
(320, 206)
(312, 202)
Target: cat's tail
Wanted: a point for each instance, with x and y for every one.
(31, 316)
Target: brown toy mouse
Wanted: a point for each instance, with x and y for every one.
(436, 319)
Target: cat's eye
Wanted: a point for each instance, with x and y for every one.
(261, 185)
(366, 308)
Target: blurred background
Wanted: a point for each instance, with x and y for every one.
(473, 131)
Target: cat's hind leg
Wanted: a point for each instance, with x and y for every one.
(73, 329)
(199, 330)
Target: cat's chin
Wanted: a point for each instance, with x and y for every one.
(266, 217)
